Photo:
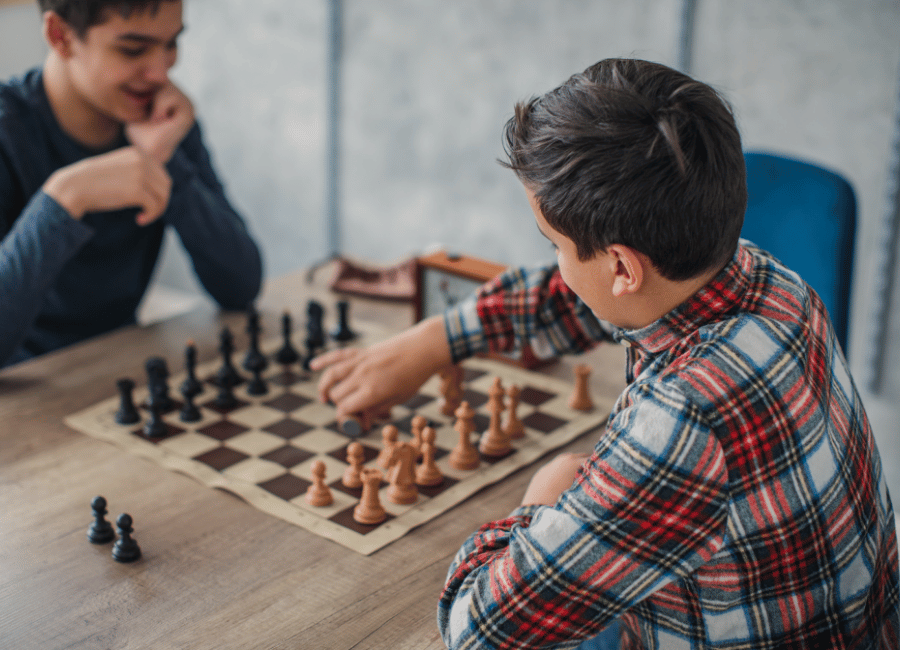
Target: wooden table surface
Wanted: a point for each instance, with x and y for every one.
(215, 572)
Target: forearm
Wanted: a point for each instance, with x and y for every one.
(32, 254)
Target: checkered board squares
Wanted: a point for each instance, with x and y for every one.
(263, 448)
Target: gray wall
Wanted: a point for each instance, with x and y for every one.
(427, 86)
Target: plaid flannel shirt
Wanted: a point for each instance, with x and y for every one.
(736, 499)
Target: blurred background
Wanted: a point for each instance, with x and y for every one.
(372, 129)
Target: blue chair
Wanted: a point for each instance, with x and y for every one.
(806, 217)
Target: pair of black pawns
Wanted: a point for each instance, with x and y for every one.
(101, 532)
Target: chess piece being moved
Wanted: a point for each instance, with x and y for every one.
(451, 389)
(513, 427)
(464, 456)
(428, 473)
(352, 477)
(402, 489)
(318, 494)
(494, 442)
(125, 549)
(127, 413)
(369, 510)
(581, 396)
(101, 531)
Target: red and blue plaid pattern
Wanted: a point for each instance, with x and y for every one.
(736, 499)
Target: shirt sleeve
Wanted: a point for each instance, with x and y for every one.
(521, 305)
(225, 257)
(36, 244)
(648, 508)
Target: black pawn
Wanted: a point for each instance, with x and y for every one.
(227, 373)
(191, 385)
(343, 332)
(288, 353)
(189, 410)
(155, 427)
(127, 413)
(125, 549)
(101, 531)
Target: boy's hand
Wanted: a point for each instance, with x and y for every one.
(362, 382)
(170, 118)
(554, 478)
(123, 178)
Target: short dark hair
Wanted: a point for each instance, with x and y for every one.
(81, 15)
(635, 153)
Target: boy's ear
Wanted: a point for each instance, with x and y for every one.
(628, 274)
(58, 34)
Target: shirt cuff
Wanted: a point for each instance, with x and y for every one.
(465, 333)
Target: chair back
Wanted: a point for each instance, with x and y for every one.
(806, 217)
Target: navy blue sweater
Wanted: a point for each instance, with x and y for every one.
(64, 280)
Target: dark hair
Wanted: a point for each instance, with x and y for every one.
(81, 15)
(635, 153)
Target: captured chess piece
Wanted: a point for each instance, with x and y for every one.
(101, 531)
(287, 353)
(127, 413)
(464, 456)
(352, 477)
(427, 473)
(343, 333)
(125, 549)
(318, 494)
(369, 510)
(581, 396)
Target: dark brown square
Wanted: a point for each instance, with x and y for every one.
(221, 458)
(369, 454)
(171, 431)
(534, 396)
(218, 409)
(286, 377)
(287, 428)
(288, 402)
(345, 519)
(474, 398)
(542, 422)
(222, 430)
(417, 401)
(288, 456)
(286, 486)
(471, 374)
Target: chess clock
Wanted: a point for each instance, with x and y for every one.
(444, 279)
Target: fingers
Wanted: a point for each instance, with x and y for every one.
(156, 188)
(337, 368)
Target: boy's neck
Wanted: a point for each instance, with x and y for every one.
(659, 296)
(77, 118)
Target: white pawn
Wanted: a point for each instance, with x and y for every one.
(318, 494)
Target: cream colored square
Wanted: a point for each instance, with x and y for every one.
(189, 444)
(315, 413)
(255, 443)
(397, 509)
(342, 501)
(255, 416)
(334, 469)
(254, 470)
(320, 440)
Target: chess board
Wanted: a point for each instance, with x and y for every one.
(263, 448)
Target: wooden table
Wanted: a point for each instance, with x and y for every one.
(215, 572)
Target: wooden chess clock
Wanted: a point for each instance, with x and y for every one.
(443, 279)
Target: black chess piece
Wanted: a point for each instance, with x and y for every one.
(189, 410)
(225, 399)
(101, 531)
(125, 549)
(191, 385)
(343, 333)
(287, 354)
(158, 384)
(257, 385)
(127, 413)
(315, 334)
(155, 426)
(254, 358)
(227, 374)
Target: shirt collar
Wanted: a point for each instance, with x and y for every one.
(722, 295)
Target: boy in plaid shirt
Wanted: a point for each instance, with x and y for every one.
(736, 498)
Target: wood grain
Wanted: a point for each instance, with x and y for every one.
(215, 572)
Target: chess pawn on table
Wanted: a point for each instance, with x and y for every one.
(101, 531)
(352, 477)
(451, 389)
(125, 549)
(494, 442)
(580, 399)
(464, 456)
(513, 427)
(389, 435)
(427, 473)
(369, 510)
(318, 495)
